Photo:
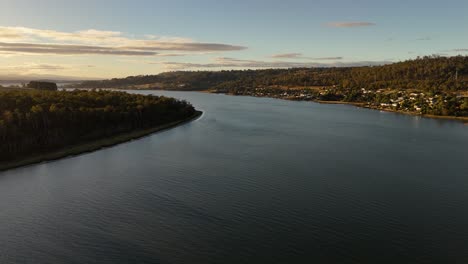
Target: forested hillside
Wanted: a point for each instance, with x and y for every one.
(39, 121)
(426, 74)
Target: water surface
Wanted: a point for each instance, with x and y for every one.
(254, 180)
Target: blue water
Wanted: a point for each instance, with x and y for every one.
(254, 180)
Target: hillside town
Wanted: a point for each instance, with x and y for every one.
(409, 101)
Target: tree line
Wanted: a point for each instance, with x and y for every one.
(33, 122)
(430, 73)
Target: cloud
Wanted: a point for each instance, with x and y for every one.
(460, 50)
(63, 49)
(172, 54)
(40, 68)
(6, 33)
(21, 40)
(424, 39)
(300, 56)
(154, 45)
(287, 55)
(30, 68)
(26, 77)
(225, 62)
(350, 24)
(328, 58)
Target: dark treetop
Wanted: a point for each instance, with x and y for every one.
(34, 122)
(49, 86)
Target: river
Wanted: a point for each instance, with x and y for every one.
(254, 180)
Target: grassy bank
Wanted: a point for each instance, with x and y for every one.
(93, 145)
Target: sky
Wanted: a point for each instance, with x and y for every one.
(93, 39)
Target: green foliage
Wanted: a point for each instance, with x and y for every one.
(438, 78)
(48, 86)
(430, 73)
(38, 121)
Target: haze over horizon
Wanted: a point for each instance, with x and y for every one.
(85, 39)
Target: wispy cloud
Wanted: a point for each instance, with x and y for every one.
(172, 54)
(21, 40)
(40, 67)
(64, 49)
(224, 62)
(33, 70)
(424, 39)
(300, 56)
(176, 46)
(460, 50)
(30, 68)
(327, 58)
(8, 33)
(350, 24)
(287, 55)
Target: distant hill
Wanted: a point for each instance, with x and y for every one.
(18, 79)
(426, 73)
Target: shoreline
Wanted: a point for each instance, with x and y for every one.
(340, 102)
(363, 105)
(357, 104)
(462, 119)
(94, 145)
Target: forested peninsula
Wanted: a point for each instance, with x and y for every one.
(43, 125)
(432, 85)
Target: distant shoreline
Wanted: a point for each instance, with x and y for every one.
(357, 104)
(362, 105)
(93, 145)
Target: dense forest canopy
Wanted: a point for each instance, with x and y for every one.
(49, 86)
(431, 73)
(34, 121)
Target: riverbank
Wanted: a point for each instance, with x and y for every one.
(339, 102)
(357, 104)
(93, 145)
(364, 105)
